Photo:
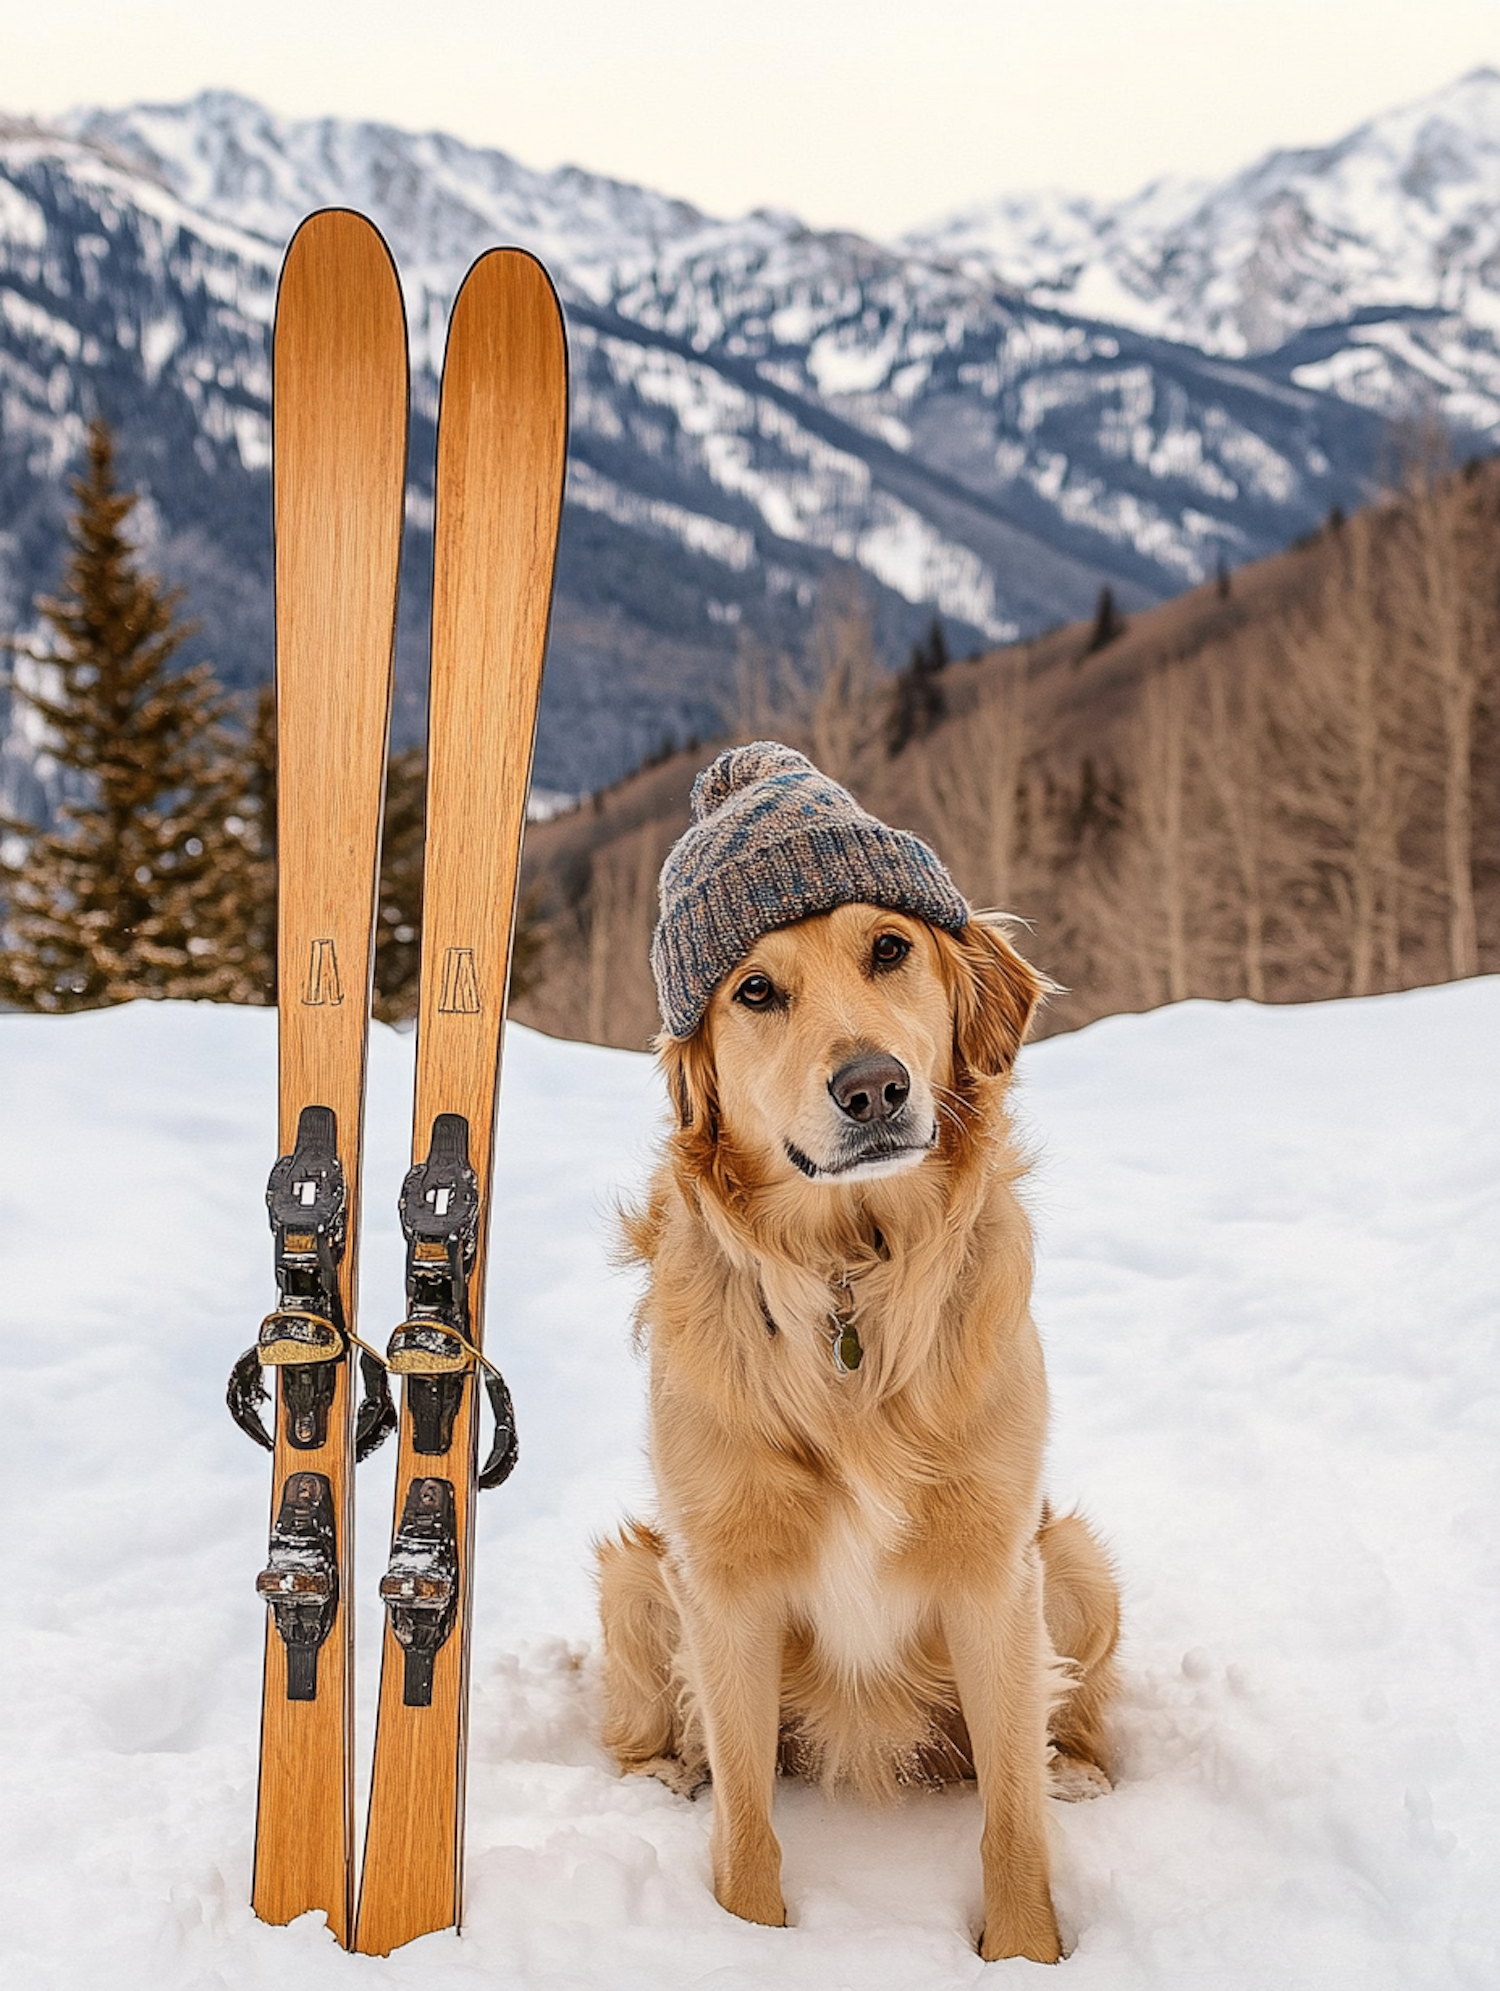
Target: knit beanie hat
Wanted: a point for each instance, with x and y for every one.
(773, 841)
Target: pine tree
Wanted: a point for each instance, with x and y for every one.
(1109, 624)
(151, 881)
(253, 822)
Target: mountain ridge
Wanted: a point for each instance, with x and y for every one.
(1302, 237)
(756, 403)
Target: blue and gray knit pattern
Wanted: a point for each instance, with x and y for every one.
(774, 841)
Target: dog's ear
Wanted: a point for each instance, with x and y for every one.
(995, 994)
(688, 1065)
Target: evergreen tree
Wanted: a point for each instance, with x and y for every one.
(253, 822)
(1108, 622)
(917, 701)
(150, 882)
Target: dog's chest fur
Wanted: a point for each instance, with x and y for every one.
(861, 1616)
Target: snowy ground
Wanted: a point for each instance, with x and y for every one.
(1270, 1289)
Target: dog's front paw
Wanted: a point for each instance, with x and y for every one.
(1072, 1779)
(1038, 1943)
(747, 1876)
(753, 1902)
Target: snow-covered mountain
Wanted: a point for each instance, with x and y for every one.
(972, 418)
(1383, 249)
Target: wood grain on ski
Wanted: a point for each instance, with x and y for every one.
(340, 416)
(501, 447)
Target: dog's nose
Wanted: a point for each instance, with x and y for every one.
(873, 1087)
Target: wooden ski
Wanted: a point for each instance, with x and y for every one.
(340, 398)
(502, 436)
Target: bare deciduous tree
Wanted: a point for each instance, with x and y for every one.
(841, 713)
(1452, 622)
(970, 786)
(1231, 761)
(1159, 763)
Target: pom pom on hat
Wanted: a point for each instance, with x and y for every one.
(737, 767)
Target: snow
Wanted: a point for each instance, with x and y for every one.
(1400, 211)
(1269, 1289)
(1398, 214)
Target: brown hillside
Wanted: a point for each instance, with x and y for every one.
(1285, 785)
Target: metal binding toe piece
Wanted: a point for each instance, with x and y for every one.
(305, 1336)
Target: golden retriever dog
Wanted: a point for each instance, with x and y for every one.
(853, 1575)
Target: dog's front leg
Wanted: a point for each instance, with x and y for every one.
(736, 1661)
(999, 1662)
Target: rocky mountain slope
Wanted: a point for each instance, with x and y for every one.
(1371, 265)
(753, 402)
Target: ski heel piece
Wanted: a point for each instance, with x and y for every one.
(301, 1579)
(420, 1587)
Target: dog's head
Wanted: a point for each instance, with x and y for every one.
(850, 1045)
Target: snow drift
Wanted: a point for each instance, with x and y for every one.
(1268, 1286)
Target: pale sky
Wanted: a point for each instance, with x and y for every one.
(869, 116)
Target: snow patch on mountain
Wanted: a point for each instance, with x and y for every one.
(1403, 214)
(728, 544)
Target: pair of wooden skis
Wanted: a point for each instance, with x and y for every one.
(340, 404)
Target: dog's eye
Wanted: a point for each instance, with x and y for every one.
(889, 950)
(756, 992)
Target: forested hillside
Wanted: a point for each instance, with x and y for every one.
(1284, 785)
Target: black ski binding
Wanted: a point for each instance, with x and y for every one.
(373, 1425)
(420, 1588)
(432, 1348)
(301, 1579)
(440, 1216)
(307, 1202)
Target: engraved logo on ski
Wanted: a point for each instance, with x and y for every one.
(323, 984)
(459, 995)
